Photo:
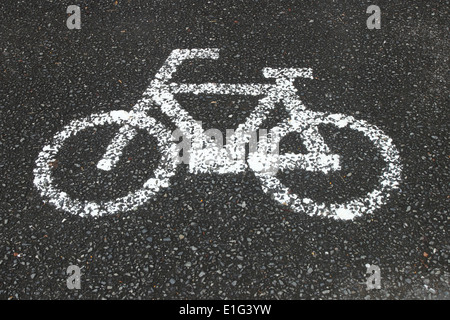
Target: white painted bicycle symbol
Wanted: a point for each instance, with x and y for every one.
(207, 157)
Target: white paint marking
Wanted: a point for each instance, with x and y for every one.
(206, 156)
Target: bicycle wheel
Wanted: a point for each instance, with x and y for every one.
(388, 180)
(44, 182)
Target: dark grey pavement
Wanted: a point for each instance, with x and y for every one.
(220, 236)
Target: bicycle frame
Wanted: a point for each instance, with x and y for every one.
(211, 158)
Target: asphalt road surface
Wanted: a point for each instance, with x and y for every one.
(211, 236)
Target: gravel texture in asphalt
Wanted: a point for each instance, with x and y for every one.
(211, 236)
